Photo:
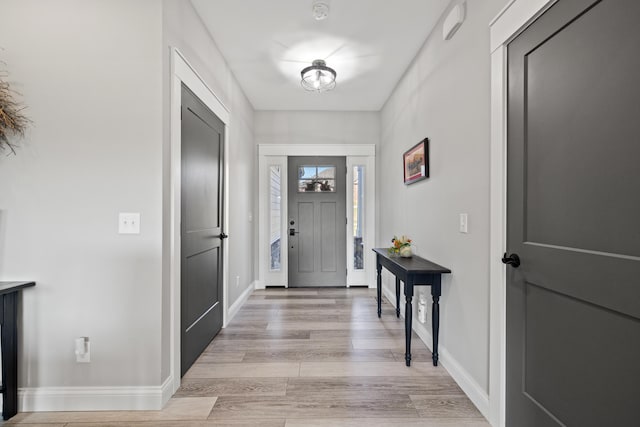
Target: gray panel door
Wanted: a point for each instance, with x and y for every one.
(317, 221)
(201, 263)
(573, 305)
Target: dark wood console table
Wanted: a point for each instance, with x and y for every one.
(414, 271)
(9, 330)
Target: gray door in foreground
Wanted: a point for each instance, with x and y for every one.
(317, 229)
(201, 259)
(573, 305)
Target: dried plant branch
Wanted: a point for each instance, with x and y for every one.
(13, 122)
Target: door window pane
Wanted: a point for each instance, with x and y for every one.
(358, 217)
(316, 179)
(275, 237)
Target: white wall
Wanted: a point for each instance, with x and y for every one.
(183, 29)
(317, 127)
(90, 75)
(445, 96)
(94, 74)
(95, 77)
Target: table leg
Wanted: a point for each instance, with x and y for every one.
(408, 317)
(397, 298)
(435, 317)
(8, 317)
(379, 287)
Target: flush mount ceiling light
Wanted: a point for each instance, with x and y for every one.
(318, 77)
(320, 10)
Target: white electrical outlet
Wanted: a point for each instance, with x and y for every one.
(422, 308)
(83, 350)
(237, 281)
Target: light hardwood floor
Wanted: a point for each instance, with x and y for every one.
(300, 357)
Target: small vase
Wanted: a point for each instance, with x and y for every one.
(405, 252)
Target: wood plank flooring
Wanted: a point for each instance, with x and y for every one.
(302, 357)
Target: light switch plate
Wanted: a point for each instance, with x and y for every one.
(129, 223)
(464, 223)
(83, 350)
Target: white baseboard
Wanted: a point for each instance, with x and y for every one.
(391, 296)
(168, 390)
(237, 305)
(259, 285)
(460, 375)
(39, 399)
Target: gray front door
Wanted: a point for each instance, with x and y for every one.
(201, 261)
(573, 305)
(317, 227)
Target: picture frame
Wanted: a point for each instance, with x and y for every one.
(415, 162)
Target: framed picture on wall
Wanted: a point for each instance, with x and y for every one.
(415, 162)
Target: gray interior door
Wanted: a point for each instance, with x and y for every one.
(201, 263)
(573, 305)
(317, 231)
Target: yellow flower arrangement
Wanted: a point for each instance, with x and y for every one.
(398, 243)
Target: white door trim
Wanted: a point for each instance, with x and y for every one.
(317, 150)
(510, 22)
(183, 72)
(364, 277)
(276, 154)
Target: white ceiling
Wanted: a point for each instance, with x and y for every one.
(370, 44)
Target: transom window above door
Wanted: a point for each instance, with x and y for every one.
(316, 179)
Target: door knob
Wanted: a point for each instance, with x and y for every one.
(222, 236)
(513, 260)
(293, 232)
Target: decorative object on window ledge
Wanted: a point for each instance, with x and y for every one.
(401, 246)
(13, 123)
(318, 77)
(415, 162)
(316, 178)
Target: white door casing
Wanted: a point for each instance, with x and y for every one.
(183, 72)
(276, 155)
(512, 20)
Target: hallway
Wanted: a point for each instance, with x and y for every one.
(303, 357)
